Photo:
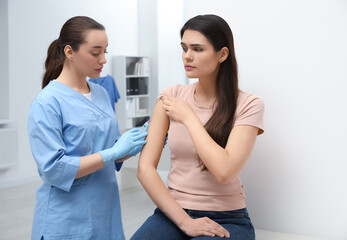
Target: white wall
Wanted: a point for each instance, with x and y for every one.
(170, 22)
(159, 26)
(4, 108)
(33, 25)
(293, 54)
(159, 37)
(170, 67)
(148, 40)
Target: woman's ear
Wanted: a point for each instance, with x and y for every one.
(224, 53)
(69, 53)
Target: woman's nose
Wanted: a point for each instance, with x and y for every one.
(188, 55)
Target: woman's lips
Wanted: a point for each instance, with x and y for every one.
(188, 67)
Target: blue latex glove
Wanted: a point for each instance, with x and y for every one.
(129, 140)
(138, 148)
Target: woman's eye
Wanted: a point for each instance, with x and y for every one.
(198, 49)
(95, 54)
(184, 49)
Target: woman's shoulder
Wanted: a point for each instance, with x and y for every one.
(53, 95)
(245, 99)
(46, 100)
(47, 94)
(178, 90)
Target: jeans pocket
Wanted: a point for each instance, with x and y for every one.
(238, 217)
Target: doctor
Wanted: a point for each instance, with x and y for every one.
(75, 140)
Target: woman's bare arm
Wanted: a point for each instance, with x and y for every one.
(156, 189)
(224, 163)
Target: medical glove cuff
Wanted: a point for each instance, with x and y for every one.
(108, 155)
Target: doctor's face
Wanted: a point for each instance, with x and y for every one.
(198, 55)
(90, 57)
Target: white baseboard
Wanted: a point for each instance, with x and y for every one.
(270, 235)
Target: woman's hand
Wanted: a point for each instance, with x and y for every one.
(177, 109)
(203, 226)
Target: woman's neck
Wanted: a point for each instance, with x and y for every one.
(205, 92)
(73, 80)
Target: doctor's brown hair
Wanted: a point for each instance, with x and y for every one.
(73, 34)
(219, 34)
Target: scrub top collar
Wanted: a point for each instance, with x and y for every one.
(80, 96)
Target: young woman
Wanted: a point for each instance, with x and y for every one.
(75, 140)
(212, 127)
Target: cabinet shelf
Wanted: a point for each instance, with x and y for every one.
(136, 76)
(8, 150)
(133, 82)
(138, 116)
(138, 96)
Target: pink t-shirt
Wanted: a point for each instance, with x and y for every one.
(189, 186)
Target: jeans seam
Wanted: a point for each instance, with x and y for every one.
(252, 232)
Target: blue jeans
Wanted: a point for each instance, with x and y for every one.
(160, 227)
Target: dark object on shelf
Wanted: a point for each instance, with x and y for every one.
(132, 86)
(142, 86)
(136, 86)
(140, 121)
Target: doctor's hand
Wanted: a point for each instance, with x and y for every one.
(138, 148)
(203, 226)
(125, 144)
(177, 109)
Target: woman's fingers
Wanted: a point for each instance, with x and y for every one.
(217, 229)
(166, 104)
(214, 229)
(204, 226)
(205, 233)
(221, 232)
(225, 232)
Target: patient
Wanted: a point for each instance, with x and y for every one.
(212, 127)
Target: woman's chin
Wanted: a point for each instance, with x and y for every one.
(191, 75)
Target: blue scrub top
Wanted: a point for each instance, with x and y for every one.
(63, 126)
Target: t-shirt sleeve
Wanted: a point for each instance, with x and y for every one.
(169, 92)
(251, 112)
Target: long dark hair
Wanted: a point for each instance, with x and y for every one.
(219, 34)
(72, 33)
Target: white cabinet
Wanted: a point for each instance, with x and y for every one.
(132, 77)
(8, 147)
